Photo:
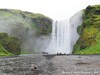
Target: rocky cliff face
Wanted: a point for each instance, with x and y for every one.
(89, 31)
(75, 21)
(27, 27)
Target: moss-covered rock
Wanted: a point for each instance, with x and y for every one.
(89, 31)
(9, 45)
(4, 52)
(43, 25)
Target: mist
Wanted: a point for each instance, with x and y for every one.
(22, 28)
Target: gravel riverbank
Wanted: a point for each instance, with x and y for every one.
(50, 65)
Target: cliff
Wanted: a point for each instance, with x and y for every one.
(26, 27)
(89, 31)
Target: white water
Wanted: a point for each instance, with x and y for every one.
(60, 41)
(64, 35)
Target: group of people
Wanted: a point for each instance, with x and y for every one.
(57, 53)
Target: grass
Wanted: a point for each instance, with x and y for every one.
(89, 41)
(95, 49)
(4, 52)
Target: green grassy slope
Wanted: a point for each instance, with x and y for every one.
(9, 45)
(89, 31)
(4, 52)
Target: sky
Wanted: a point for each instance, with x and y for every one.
(55, 9)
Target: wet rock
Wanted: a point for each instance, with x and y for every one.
(33, 67)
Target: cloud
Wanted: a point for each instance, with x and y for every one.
(56, 9)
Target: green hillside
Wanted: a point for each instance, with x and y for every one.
(18, 30)
(89, 31)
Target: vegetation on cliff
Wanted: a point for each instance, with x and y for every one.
(89, 31)
(26, 27)
(9, 45)
(40, 23)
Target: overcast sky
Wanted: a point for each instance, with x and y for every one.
(55, 9)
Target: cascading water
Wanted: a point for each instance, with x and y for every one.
(64, 35)
(60, 41)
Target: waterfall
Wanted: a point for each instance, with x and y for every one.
(60, 39)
